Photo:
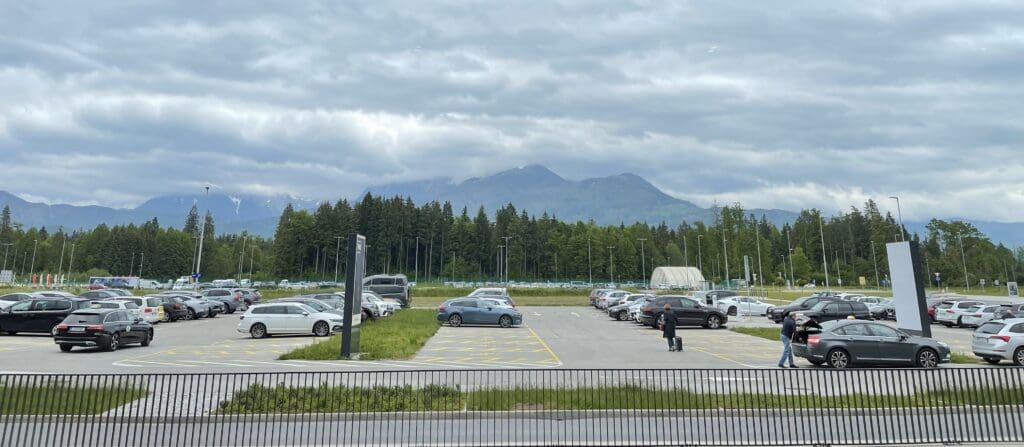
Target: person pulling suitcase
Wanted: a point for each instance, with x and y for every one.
(668, 329)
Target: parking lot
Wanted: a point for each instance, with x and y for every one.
(551, 337)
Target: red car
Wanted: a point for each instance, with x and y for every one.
(933, 301)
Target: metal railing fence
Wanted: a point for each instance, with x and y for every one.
(517, 407)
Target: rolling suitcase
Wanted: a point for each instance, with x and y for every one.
(679, 344)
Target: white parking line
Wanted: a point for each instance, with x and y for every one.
(214, 363)
(126, 363)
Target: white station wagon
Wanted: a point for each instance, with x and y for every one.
(263, 320)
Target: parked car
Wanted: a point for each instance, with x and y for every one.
(133, 309)
(38, 314)
(884, 310)
(950, 313)
(384, 308)
(471, 310)
(688, 311)
(777, 314)
(395, 287)
(263, 320)
(11, 298)
(108, 329)
(844, 343)
(979, 314)
(316, 304)
(493, 292)
(611, 298)
(833, 310)
(1008, 311)
(934, 301)
(57, 294)
(152, 307)
(232, 299)
(174, 308)
(101, 294)
(250, 296)
(595, 294)
(1000, 340)
(743, 305)
(620, 309)
(199, 307)
(637, 307)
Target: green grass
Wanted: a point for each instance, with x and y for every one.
(342, 399)
(769, 333)
(963, 358)
(393, 338)
(62, 399)
(323, 398)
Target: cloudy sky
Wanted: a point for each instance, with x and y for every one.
(773, 104)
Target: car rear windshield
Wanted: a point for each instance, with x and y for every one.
(106, 306)
(991, 328)
(945, 306)
(84, 318)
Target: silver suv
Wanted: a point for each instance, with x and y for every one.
(1000, 340)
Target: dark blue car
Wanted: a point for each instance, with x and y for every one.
(459, 311)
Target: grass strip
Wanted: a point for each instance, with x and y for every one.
(341, 399)
(396, 337)
(324, 398)
(61, 399)
(521, 301)
(770, 333)
(963, 358)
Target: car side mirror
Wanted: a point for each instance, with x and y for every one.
(904, 337)
(305, 314)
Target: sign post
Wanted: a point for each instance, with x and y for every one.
(1012, 290)
(353, 295)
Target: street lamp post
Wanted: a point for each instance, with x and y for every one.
(416, 259)
(760, 273)
(643, 263)
(725, 257)
(611, 265)
(963, 258)
(241, 260)
(824, 258)
(142, 263)
(508, 248)
(590, 265)
(874, 259)
(32, 268)
(789, 247)
(700, 262)
(60, 265)
(72, 260)
(131, 267)
(202, 233)
(7, 248)
(899, 212)
(337, 251)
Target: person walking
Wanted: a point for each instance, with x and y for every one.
(668, 327)
(788, 330)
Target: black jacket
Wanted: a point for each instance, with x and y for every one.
(669, 331)
(788, 328)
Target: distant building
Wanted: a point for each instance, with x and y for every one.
(669, 278)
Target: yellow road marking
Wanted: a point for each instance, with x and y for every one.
(553, 355)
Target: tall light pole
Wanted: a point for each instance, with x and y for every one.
(643, 263)
(7, 248)
(60, 265)
(874, 259)
(252, 253)
(963, 258)
(500, 263)
(142, 263)
(611, 265)
(899, 212)
(131, 267)
(686, 255)
(241, 260)
(32, 269)
(416, 259)
(72, 260)
(700, 262)
(508, 249)
(789, 247)
(760, 273)
(337, 251)
(590, 265)
(824, 258)
(725, 256)
(202, 233)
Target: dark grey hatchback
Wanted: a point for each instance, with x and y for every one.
(842, 343)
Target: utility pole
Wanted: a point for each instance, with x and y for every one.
(417, 259)
(142, 263)
(337, 251)
(251, 254)
(611, 265)
(760, 273)
(792, 271)
(72, 260)
(700, 262)
(32, 269)
(686, 255)
(7, 248)
(241, 260)
(556, 266)
(967, 279)
(874, 259)
(131, 267)
(508, 248)
(61, 264)
(821, 227)
(590, 265)
(643, 263)
(725, 256)
(202, 233)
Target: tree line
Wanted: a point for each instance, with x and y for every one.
(433, 242)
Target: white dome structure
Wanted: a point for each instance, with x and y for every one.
(677, 278)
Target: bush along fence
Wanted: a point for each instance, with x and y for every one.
(509, 407)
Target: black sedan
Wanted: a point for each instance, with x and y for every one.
(688, 311)
(777, 314)
(108, 329)
(843, 343)
(38, 314)
(174, 308)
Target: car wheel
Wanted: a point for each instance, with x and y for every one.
(455, 320)
(838, 359)
(148, 339)
(321, 329)
(960, 321)
(623, 316)
(993, 360)
(816, 362)
(927, 358)
(1018, 356)
(190, 314)
(714, 322)
(258, 330)
(65, 348)
(732, 311)
(367, 316)
(166, 318)
(505, 321)
(114, 343)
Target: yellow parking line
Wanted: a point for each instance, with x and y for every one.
(553, 355)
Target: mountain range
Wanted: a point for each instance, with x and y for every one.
(623, 198)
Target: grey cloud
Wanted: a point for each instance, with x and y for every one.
(788, 104)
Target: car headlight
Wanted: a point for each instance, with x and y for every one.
(944, 345)
(337, 321)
